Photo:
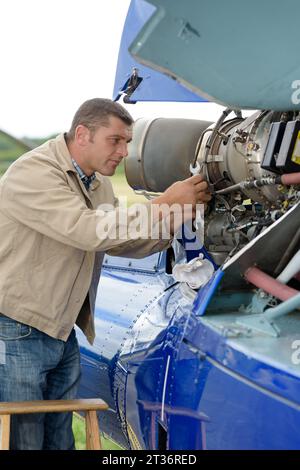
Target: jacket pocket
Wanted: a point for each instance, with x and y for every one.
(11, 329)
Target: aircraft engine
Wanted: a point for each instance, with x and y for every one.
(247, 163)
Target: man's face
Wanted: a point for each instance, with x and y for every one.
(107, 146)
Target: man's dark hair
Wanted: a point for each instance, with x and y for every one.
(95, 113)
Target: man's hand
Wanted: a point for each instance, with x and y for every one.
(189, 192)
(193, 190)
(182, 197)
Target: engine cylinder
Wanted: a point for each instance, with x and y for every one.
(161, 152)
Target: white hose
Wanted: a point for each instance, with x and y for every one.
(290, 270)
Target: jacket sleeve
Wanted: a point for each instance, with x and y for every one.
(141, 247)
(37, 195)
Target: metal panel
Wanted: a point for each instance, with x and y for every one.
(240, 54)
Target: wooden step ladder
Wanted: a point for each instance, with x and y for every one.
(90, 406)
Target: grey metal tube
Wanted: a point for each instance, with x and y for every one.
(283, 309)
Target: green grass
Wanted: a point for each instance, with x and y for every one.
(10, 149)
(79, 434)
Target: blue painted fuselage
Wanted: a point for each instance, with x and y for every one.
(178, 380)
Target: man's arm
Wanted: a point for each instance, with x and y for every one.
(169, 211)
(37, 195)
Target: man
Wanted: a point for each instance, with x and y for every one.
(52, 241)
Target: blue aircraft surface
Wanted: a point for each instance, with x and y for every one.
(214, 365)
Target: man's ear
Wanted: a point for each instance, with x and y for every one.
(82, 135)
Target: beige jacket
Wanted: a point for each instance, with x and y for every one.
(49, 235)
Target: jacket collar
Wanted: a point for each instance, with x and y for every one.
(65, 161)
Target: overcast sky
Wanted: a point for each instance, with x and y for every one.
(55, 54)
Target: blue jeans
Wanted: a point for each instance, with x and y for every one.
(34, 366)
